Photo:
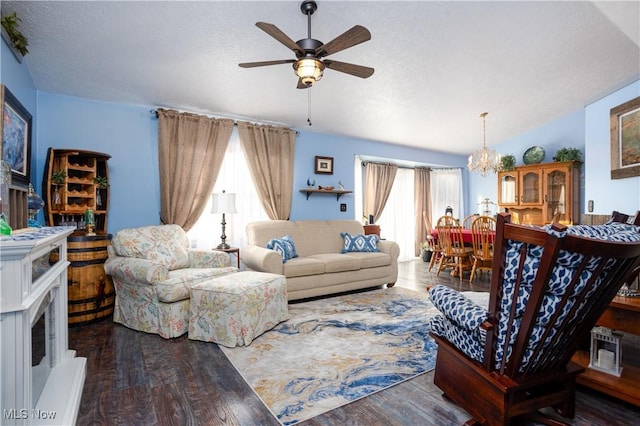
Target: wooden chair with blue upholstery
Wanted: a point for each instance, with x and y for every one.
(549, 286)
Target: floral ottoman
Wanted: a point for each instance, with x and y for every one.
(234, 309)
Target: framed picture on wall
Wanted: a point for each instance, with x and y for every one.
(15, 129)
(625, 140)
(324, 165)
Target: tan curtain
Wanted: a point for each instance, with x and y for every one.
(422, 203)
(190, 149)
(378, 182)
(269, 152)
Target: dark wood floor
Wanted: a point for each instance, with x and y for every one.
(136, 378)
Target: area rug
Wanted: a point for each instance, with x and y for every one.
(336, 350)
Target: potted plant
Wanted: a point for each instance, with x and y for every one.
(58, 176)
(426, 251)
(100, 181)
(568, 154)
(508, 162)
(10, 24)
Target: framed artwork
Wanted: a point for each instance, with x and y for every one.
(15, 129)
(324, 165)
(625, 140)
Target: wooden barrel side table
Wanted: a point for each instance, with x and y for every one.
(91, 295)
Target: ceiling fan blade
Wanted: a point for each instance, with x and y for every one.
(356, 35)
(353, 69)
(265, 63)
(276, 33)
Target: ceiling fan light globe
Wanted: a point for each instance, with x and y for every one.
(309, 70)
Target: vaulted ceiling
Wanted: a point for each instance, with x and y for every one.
(438, 64)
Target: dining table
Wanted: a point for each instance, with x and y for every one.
(466, 235)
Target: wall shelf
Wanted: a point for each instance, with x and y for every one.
(339, 192)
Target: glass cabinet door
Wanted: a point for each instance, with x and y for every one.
(508, 188)
(556, 196)
(531, 190)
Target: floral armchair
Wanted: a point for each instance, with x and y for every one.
(152, 268)
(548, 288)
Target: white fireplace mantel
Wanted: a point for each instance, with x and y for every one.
(33, 279)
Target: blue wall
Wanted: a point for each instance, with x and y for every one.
(17, 78)
(607, 194)
(344, 150)
(128, 133)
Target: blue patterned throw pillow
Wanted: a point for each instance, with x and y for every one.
(359, 243)
(284, 246)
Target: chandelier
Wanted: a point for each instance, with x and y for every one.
(485, 160)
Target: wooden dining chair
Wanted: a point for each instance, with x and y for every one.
(467, 221)
(454, 254)
(483, 233)
(432, 242)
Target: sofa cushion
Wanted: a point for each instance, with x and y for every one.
(284, 246)
(359, 243)
(336, 262)
(370, 260)
(302, 266)
(164, 244)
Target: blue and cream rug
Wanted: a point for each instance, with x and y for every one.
(336, 350)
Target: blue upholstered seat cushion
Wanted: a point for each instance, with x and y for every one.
(360, 243)
(284, 246)
(460, 321)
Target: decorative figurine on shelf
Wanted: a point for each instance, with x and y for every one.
(311, 182)
(34, 205)
(89, 222)
(340, 185)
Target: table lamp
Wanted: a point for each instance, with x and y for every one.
(223, 203)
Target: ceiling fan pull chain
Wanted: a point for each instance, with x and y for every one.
(309, 106)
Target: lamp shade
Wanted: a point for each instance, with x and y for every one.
(223, 203)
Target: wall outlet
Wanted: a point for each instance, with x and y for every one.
(343, 207)
(590, 206)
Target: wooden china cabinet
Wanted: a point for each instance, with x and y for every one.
(537, 193)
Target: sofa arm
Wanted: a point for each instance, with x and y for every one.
(134, 270)
(262, 259)
(208, 259)
(457, 308)
(390, 247)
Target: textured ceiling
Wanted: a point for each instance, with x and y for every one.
(438, 65)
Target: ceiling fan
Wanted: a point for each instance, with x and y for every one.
(309, 65)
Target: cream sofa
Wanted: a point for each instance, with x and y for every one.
(320, 267)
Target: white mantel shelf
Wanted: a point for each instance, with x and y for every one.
(33, 282)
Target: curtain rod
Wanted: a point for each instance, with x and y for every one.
(154, 112)
(364, 163)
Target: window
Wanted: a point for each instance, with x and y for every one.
(446, 191)
(235, 178)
